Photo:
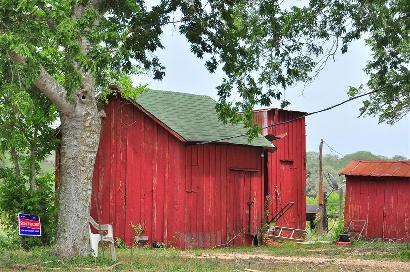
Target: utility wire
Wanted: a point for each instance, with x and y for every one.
(332, 149)
(297, 118)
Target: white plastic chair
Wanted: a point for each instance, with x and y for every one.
(105, 234)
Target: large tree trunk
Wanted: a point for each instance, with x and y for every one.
(80, 129)
(79, 145)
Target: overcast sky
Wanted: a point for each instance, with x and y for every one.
(340, 127)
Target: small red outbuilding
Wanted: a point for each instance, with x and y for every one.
(379, 193)
(167, 163)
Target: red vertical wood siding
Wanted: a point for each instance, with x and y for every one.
(224, 179)
(383, 202)
(286, 167)
(182, 194)
(134, 181)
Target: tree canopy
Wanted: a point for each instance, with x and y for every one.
(262, 46)
(385, 26)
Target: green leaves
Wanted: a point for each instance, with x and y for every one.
(126, 88)
(25, 118)
(386, 26)
(263, 47)
(16, 197)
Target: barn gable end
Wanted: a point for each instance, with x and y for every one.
(134, 182)
(182, 193)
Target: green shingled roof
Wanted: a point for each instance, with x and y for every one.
(194, 118)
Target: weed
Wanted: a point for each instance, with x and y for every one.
(405, 255)
(337, 229)
(119, 243)
(138, 239)
(138, 229)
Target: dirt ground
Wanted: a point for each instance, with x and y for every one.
(314, 263)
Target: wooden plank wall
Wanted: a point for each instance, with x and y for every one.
(134, 183)
(181, 194)
(286, 166)
(384, 202)
(216, 196)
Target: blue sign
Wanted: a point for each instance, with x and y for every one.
(29, 225)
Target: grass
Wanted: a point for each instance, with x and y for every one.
(138, 260)
(13, 258)
(41, 258)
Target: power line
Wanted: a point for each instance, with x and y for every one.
(297, 118)
(332, 149)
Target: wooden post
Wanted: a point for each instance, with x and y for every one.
(340, 203)
(320, 214)
(324, 213)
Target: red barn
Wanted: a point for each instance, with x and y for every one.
(160, 165)
(379, 193)
(286, 168)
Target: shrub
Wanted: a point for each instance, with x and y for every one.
(16, 197)
(9, 239)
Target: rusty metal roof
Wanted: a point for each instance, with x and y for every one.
(377, 168)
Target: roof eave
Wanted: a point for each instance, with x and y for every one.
(268, 148)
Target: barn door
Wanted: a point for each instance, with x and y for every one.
(288, 192)
(240, 205)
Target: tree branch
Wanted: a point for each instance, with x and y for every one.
(96, 4)
(53, 90)
(33, 154)
(15, 159)
(88, 80)
(48, 86)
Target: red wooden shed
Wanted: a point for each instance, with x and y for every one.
(379, 193)
(286, 168)
(161, 165)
